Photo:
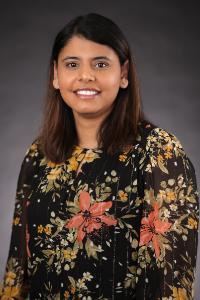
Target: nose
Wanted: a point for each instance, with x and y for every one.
(86, 74)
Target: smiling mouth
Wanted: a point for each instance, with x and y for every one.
(88, 94)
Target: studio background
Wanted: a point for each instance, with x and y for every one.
(165, 40)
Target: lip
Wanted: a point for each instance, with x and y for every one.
(87, 89)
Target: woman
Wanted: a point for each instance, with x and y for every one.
(106, 201)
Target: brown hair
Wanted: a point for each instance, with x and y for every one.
(58, 135)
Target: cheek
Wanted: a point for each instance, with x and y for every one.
(64, 82)
(66, 88)
(65, 79)
(112, 81)
(111, 86)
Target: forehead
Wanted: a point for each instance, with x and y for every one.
(82, 47)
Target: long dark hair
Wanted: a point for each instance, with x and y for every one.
(58, 135)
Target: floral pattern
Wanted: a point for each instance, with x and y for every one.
(151, 227)
(106, 227)
(90, 217)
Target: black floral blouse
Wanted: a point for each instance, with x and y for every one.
(106, 227)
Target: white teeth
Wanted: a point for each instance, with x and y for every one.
(82, 92)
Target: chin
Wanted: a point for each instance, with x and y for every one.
(88, 113)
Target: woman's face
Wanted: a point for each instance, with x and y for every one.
(88, 66)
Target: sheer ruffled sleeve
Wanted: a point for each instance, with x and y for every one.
(169, 224)
(15, 281)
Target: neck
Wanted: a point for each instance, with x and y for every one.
(87, 130)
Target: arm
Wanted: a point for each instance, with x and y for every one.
(169, 225)
(15, 282)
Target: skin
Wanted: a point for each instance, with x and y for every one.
(87, 72)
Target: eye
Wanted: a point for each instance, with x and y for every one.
(102, 63)
(71, 65)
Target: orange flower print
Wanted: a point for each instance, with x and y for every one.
(91, 216)
(151, 227)
(122, 157)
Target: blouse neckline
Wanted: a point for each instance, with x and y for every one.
(77, 147)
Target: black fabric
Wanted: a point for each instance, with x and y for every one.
(124, 227)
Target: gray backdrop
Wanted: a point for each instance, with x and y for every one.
(164, 36)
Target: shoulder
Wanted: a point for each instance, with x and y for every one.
(32, 149)
(161, 148)
(33, 155)
(164, 140)
(30, 164)
(154, 139)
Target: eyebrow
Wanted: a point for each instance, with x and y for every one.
(94, 58)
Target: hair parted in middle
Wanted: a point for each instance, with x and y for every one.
(58, 136)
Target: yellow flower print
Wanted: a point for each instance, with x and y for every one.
(123, 196)
(192, 223)
(47, 229)
(40, 228)
(179, 294)
(73, 164)
(168, 154)
(32, 150)
(89, 156)
(77, 150)
(10, 293)
(164, 133)
(53, 174)
(162, 194)
(73, 254)
(33, 147)
(152, 138)
(69, 254)
(66, 254)
(170, 196)
(80, 157)
(16, 221)
(168, 147)
(122, 157)
(52, 164)
(160, 158)
(10, 278)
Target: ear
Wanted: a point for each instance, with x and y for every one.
(124, 74)
(55, 76)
